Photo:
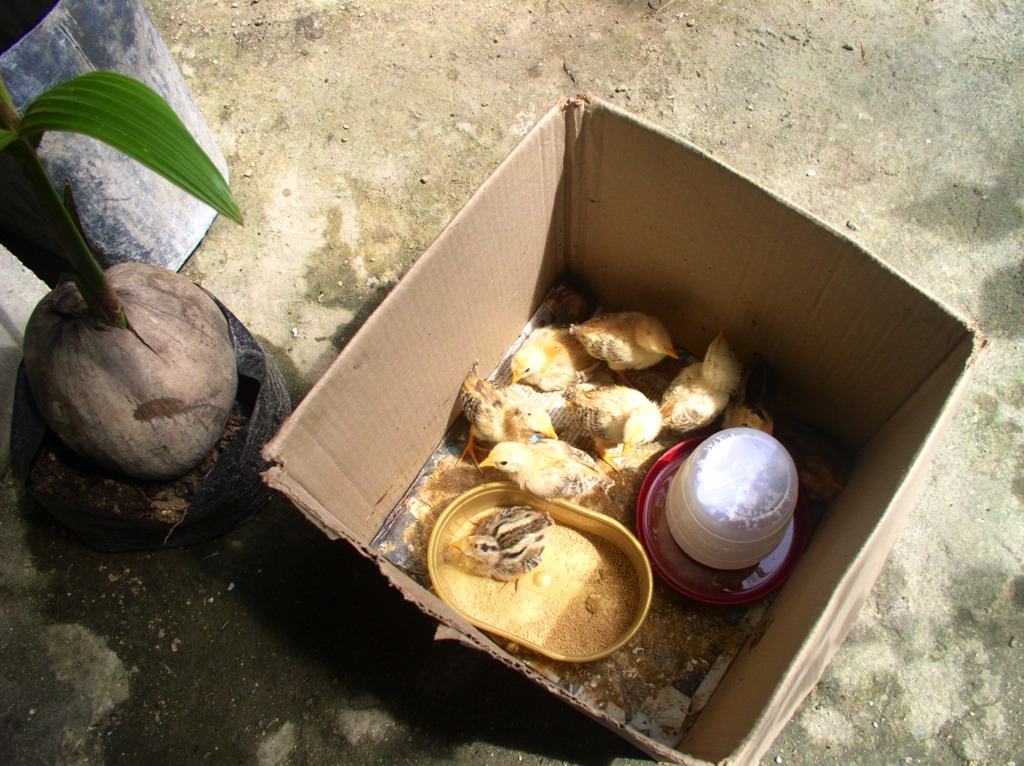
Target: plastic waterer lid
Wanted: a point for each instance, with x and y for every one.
(740, 485)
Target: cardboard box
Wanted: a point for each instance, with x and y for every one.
(650, 222)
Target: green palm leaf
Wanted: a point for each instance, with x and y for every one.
(135, 120)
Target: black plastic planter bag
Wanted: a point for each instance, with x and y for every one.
(230, 494)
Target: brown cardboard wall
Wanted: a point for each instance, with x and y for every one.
(384, 404)
(660, 226)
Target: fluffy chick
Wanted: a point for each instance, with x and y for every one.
(701, 391)
(568, 304)
(754, 402)
(497, 413)
(614, 415)
(507, 543)
(548, 468)
(552, 358)
(626, 340)
(823, 463)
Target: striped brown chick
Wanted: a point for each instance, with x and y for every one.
(497, 413)
(507, 543)
(614, 416)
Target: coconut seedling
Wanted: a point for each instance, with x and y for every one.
(133, 366)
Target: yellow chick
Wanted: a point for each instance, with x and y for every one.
(754, 402)
(552, 358)
(614, 415)
(626, 340)
(701, 391)
(548, 468)
(497, 413)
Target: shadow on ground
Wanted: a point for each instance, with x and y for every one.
(274, 628)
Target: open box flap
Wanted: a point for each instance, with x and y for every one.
(466, 296)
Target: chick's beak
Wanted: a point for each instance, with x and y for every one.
(671, 352)
(456, 544)
(721, 334)
(486, 462)
(550, 433)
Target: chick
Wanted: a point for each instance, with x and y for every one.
(824, 465)
(497, 413)
(552, 358)
(754, 402)
(614, 415)
(507, 543)
(701, 391)
(568, 303)
(548, 468)
(626, 340)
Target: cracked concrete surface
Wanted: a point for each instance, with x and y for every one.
(353, 132)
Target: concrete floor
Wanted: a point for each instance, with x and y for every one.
(353, 132)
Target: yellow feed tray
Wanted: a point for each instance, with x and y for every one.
(589, 595)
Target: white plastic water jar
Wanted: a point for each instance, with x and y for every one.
(730, 503)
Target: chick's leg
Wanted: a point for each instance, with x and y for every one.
(627, 376)
(604, 449)
(471, 449)
(630, 377)
(515, 585)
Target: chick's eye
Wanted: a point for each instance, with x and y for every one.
(503, 462)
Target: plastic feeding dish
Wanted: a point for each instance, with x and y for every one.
(588, 596)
